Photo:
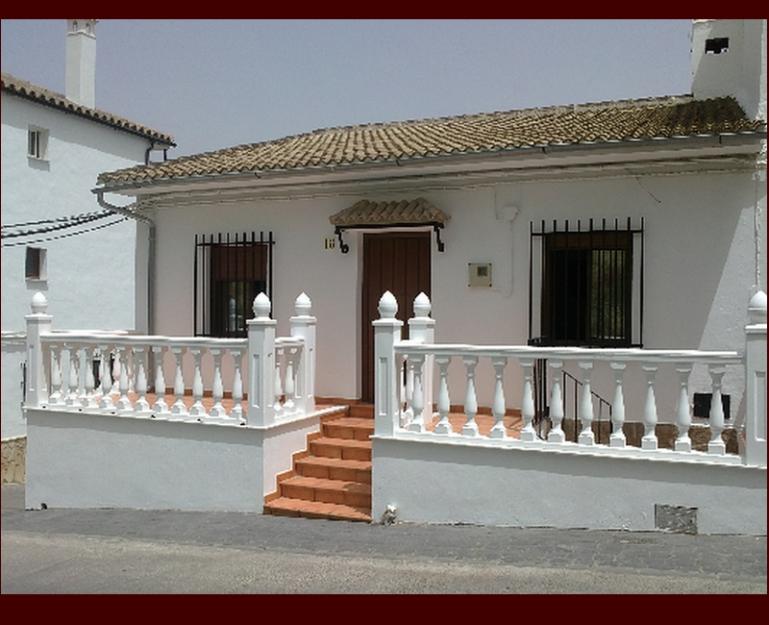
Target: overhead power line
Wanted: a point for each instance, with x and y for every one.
(56, 219)
(68, 234)
(60, 226)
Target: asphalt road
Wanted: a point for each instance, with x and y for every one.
(132, 551)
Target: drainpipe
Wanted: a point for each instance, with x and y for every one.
(125, 212)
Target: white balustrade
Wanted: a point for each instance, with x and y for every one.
(123, 403)
(197, 409)
(141, 406)
(160, 406)
(391, 353)
(56, 380)
(237, 388)
(73, 400)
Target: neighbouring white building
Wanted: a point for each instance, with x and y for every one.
(53, 146)
(578, 259)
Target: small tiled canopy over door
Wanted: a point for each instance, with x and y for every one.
(398, 262)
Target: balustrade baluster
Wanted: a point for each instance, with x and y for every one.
(89, 400)
(617, 438)
(237, 388)
(409, 389)
(290, 384)
(105, 403)
(56, 396)
(527, 404)
(217, 389)
(124, 403)
(556, 434)
(72, 397)
(160, 406)
(418, 399)
(444, 425)
(179, 407)
(716, 444)
(141, 406)
(498, 405)
(278, 388)
(649, 439)
(683, 412)
(586, 436)
(197, 409)
(471, 402)
(117, 367)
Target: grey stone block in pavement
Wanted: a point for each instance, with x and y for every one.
(173, 551)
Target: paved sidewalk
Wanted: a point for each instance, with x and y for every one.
(223, 552)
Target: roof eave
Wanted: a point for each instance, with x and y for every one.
(749, 140)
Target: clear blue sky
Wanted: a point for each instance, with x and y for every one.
(219, 83)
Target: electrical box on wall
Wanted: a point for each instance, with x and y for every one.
(479, 274)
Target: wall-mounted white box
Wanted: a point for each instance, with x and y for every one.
(479, 274)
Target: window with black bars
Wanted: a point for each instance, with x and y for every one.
(230, 271)
(586, 283)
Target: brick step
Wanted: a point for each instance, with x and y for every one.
(283, 506)
(344, 448)
(365, 411)
(353, 494)
(349, 427)
(334, 469)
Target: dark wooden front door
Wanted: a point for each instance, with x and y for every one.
(398, 262)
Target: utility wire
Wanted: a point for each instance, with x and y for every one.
(68, 224)
(56, 219)
(64, 236)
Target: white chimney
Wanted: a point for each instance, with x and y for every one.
(80, 76)
(729, 59)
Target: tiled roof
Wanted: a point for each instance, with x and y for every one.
(25, 89)
(365, 212)
(610, 122)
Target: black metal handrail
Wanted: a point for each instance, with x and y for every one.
(601, 403)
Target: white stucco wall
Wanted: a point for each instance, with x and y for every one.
(699, 268)
(79, 460)
(440, 483)
(90, 278)
(13, 351)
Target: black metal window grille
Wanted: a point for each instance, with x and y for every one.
(586, 283)
(229, 272)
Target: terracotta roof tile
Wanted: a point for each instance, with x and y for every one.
(25, 89)
(365, 212)
(607, 122)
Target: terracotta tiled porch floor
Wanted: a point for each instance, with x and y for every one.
(513, 422)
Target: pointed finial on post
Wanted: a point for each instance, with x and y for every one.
(302, 305)
(422, 305)
(39, 303)
(757, 308)
(388, 306)
(262, 306)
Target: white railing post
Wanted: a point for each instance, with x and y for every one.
(237, 388)
(716, 443)
(38, 322)
(141, 406)
(179, 407)
(683, 410)
(418, 397)
(556, 434)
(649, 439)
(498, 405)
(617, 438)
(217, 388)
(56, 396)
(303, 325)
(105, 403)
(197, 409)
(422, 329)
(387, 332)
(753, 437)
(586, 436)
(160, 406)
(89, 401)
(528, 411)
(261, 363)
(444, 407)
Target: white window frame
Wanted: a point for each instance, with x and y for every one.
(37, 143)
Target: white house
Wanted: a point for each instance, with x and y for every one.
(54, 238)
(578, 259)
